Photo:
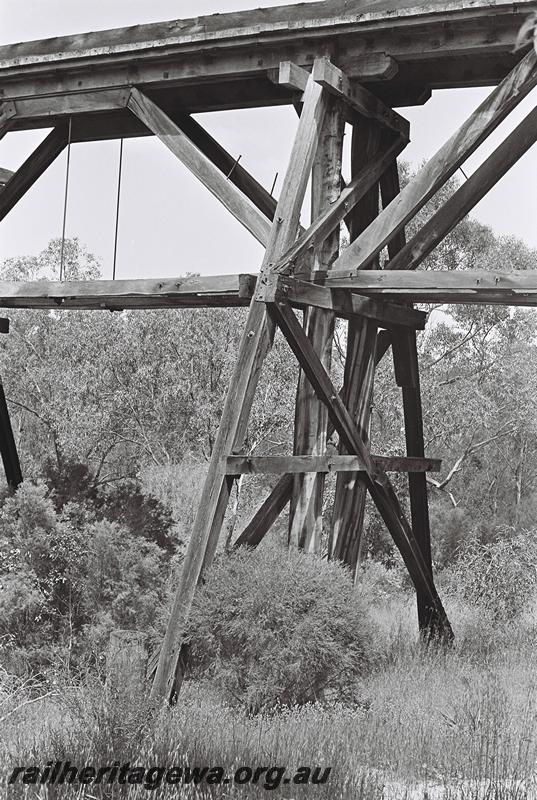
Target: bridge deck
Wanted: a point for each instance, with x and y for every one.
(400, 49)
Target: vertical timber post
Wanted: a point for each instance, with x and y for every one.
(311, 418)
(351, 490)
(407, 376)
(405, 357)
(8, 448)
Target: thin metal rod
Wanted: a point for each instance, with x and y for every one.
(117, 207)
(228, 176)
(65, 197)
(274, 184)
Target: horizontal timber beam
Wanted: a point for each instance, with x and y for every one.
(276, 465)
(280, 495)
(345, 304)
(442, 286)
(468, 42)
(66, 105)
(189, 292)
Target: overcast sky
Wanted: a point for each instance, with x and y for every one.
(169, 224)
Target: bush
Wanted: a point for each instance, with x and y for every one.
(67, 579)
(500, 576)
(279, 627)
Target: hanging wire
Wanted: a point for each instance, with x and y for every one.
(117, 207)
(464, 173)
(65, 197)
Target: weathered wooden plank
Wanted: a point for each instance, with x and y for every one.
(305, 19)
(183, 292)
(371, 292)
(341, 207)
(255, 344)
(277, 465)
(468, 195)
(65, 105)
(343, 303)
(346, 532)
(192, 157)
(406, 368)
(378, 484)
(291, 76)
(438, 286)
(306, 508)
(374, 67)
(358, 98)
(34, 166)
(442, 166)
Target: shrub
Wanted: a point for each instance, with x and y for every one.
(279, 627)
(500, 576)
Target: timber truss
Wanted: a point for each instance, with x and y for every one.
(301, 269)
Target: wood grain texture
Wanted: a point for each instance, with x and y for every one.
(346, 532)
(287, 20)
(358, 98)
(276, 465)
(441, 166)
(306, 507)
(406, 368)
(344, 304)
(438, 286)
(184, 292)
(341, 207)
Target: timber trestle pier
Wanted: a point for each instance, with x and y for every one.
(339, 63)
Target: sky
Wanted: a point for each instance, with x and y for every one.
(170, 224)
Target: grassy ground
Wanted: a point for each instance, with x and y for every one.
(457, 724)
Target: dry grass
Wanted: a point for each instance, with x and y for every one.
(457, 724)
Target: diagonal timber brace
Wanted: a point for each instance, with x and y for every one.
(34, 166)
(378, 484)
(280, 495)
(255, 344)
(200, 165)
(494, 109)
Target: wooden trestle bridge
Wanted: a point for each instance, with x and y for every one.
(338, 62)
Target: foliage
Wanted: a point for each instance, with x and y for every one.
(67, 578)
(500, 577)
(278, 627)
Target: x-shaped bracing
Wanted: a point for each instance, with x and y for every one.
(286, 256)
